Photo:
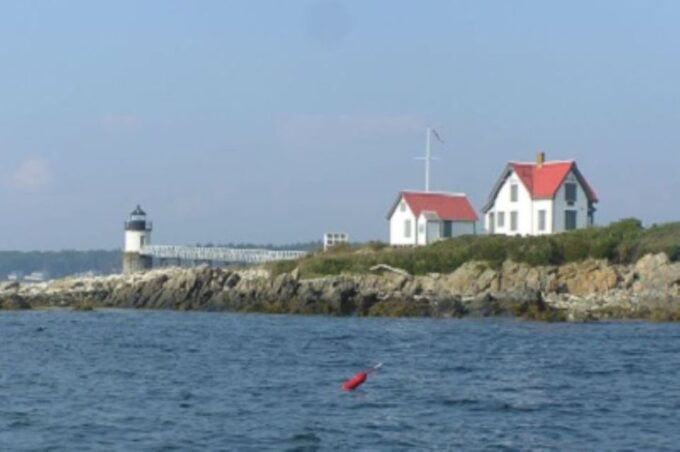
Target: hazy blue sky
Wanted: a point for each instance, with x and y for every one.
(274, 121)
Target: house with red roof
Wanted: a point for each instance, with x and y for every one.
(422, 217)
(537, 198)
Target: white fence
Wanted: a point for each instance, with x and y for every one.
(219, 254)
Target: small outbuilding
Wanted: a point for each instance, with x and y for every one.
(331, 239)
(422, 217)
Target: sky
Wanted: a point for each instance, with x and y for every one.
(274, 122)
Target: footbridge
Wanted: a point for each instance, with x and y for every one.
(218, 254)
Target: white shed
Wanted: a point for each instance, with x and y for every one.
(420, 218)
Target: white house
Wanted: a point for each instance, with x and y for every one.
(419, 218)
(539, 198)
(330, 239)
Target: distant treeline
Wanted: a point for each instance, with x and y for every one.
(69, 262)
(60, 263)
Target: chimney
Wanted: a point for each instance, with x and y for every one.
(540, 159)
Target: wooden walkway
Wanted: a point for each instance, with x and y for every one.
(219, 254)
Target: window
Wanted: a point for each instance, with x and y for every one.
(513, 193)
(407, 228)
(570, 193)
(569, 220)
(402, 206)
(541, 220)
(513, 221)
(492, 223)
(501, 219)
(421, 228)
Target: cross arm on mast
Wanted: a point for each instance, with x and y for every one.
(429, 131)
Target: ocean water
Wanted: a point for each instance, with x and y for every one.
(141, 380)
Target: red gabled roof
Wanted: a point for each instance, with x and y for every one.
(448, 206)
(543, 181)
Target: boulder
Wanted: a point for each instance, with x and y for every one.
(14, 303)
(588, 277)
(470, 279)
(448, 306)
(656, 277)
(10, 285)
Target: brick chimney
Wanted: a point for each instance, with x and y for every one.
(540, 159)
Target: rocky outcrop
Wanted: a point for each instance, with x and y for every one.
(14, 302)
(587, 290)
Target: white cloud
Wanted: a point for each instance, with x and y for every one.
(32, 175)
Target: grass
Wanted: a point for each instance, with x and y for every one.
(622, 242)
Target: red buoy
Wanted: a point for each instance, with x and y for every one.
(358, 379)
(355, 381)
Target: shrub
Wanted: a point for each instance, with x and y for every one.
(621, 242)
(673, 253)
(376, 245)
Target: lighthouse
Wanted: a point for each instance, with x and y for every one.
(137, 235)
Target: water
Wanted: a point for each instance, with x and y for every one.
(139, 380)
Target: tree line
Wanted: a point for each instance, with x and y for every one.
(60, 263)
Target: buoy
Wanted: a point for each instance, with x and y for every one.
(359, 378)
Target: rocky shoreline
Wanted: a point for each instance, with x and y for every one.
(589, 290)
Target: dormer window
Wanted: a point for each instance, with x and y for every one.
(513, 193)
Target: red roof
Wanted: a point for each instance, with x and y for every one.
(543, 181)
(447, 206)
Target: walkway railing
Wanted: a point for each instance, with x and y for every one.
(219, 254)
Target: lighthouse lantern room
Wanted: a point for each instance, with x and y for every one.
(137, 235)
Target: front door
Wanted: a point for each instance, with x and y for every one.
(433, 231)
(569, 220)
(448, 229)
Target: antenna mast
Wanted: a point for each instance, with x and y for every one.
(428, 154)
(428, 158)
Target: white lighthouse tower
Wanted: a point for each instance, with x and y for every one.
(137, 235)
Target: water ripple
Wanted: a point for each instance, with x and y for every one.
(140, 380)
